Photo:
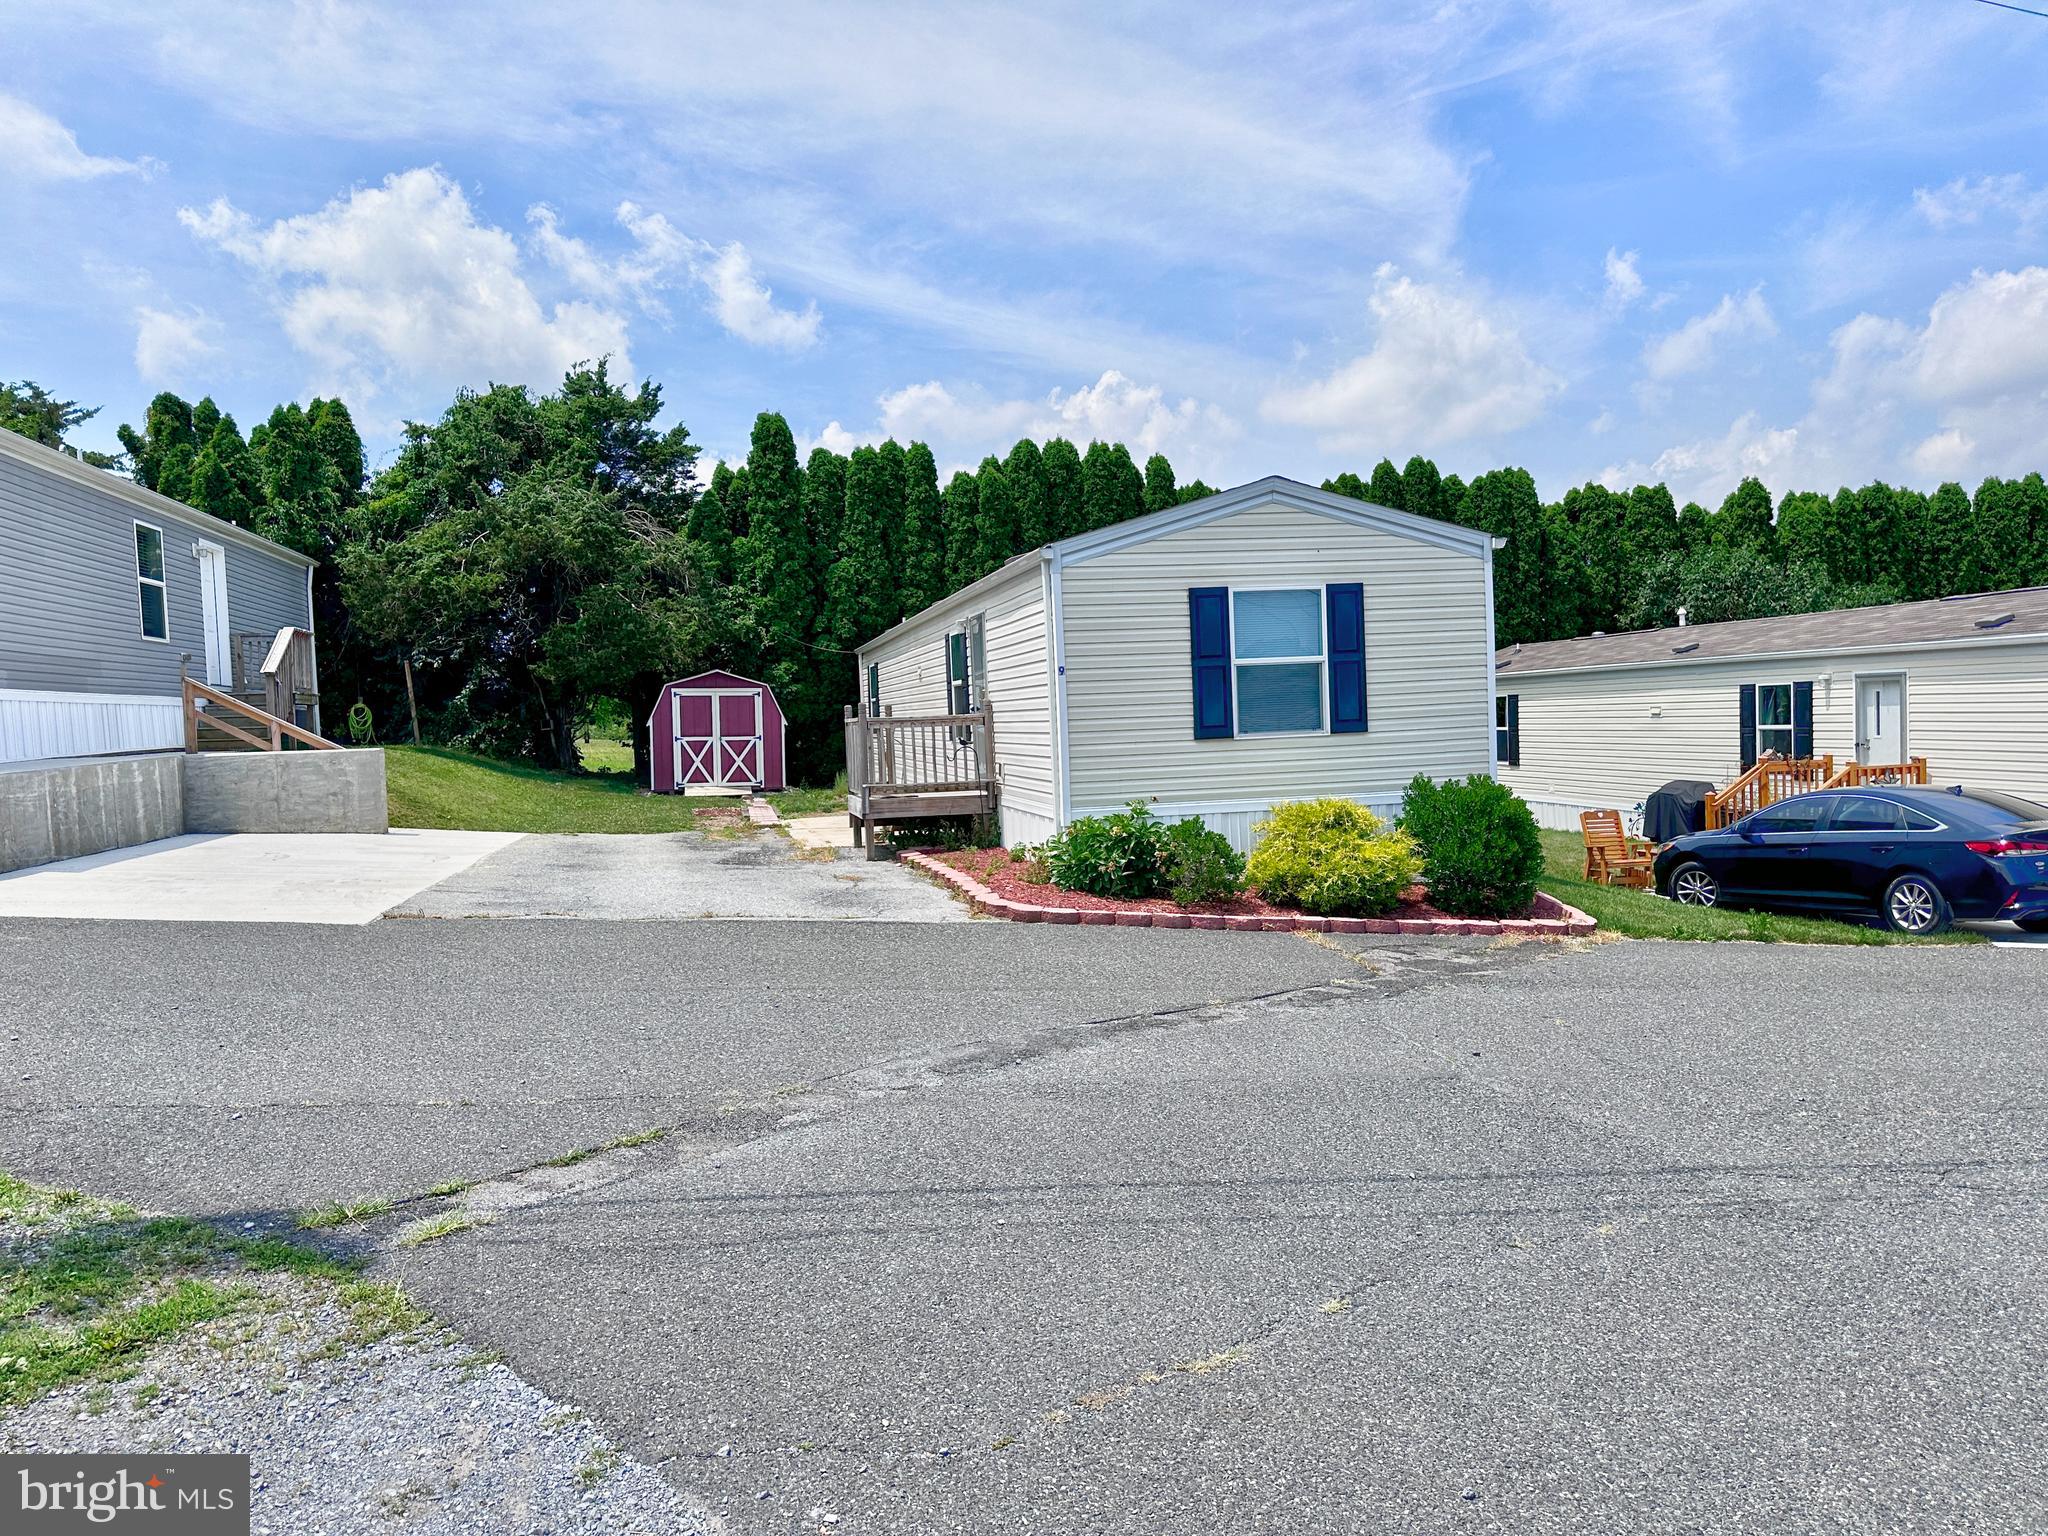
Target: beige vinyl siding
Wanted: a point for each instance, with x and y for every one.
(1130, 710)
(1977, 713)
(911, 660)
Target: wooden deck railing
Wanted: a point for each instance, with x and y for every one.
(1765, 784)
(917, 768)
(1849, 775)
(279, 730)
(919, 754)
(278, 669)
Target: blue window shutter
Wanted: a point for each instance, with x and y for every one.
(1746, 730)
(1346, 601)
(1802, 719)
(1209, 642)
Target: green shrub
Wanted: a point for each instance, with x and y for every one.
(1200, 864)
(1332, 857)
(1122, 856)
(1031, 865)
(1481, 852)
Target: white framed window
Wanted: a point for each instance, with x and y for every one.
(1774, 731)
(152, 597)
(1278, 656)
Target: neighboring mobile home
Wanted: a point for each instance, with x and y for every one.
(1604, 720)
(1269, 643)
(103, 586)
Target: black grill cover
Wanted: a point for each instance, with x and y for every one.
(1676, 809)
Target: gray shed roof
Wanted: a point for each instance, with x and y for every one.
(1980, 616)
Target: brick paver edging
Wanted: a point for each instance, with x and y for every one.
(1560, 921)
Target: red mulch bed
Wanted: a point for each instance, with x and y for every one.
(996, 869)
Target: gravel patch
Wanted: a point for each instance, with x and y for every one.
(414, 1434)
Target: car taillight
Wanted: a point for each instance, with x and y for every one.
(1999, 847)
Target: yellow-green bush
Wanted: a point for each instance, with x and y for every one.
(1332, 857)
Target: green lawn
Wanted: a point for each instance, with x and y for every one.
(1640, 915)
(606, 754)
(810, 802)
(439, 787)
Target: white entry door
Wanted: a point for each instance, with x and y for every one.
(213, 613)
(1880, 720)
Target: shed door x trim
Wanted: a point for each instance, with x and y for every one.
(731, 751)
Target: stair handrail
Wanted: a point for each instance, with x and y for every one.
(193, 692)
(1765, 783)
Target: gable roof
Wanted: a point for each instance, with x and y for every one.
(48, 460)
(1193, 514)
(1291, 493)
(1978, 617)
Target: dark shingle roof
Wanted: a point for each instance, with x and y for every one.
(1975, 617)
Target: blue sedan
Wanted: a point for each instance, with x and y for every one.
(1917, 857)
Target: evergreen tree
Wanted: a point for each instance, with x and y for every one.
(1348, 484)
(31, 410)
(1457, 501)
(1195, 490)
(774, 558)
(735, 494)
(1066, 513)
(1695, 528)
(1947, 564)
(301, 490)
(160, 455)
(1112, 489)
(1159, 488)
(205, 417)
(1533, 599)
(710, 537)
(894, 464)
(923, 570)
(1386, 489)
(1422, 490)
(337, 441)
(824, 509)
(1744, 521)
(1915, 565)
(857, 590)
(1598, 517)
(995, 537)
(226, 481)
(1030, 494)
(1650, 527)
(960, 513)
(1805, 527)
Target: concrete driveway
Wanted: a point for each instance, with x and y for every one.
(248, 877)
(743, 873)
(981, 1227)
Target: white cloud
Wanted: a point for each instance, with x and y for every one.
(168, 344)
(1969, 201)
(1691, 348)
(965, 425)
(1624, 282)
(661, 254)
(1959, 396)
(402, 281)
(745, 305)
(34, 146)
(1443, 368)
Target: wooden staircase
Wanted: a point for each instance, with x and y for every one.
(275, 687)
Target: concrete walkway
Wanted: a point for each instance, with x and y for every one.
(741, 873)
(248, 877)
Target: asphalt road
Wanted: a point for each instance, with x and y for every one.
(1643, 1237)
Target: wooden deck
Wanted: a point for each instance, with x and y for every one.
(917, 768)
(1774, 780)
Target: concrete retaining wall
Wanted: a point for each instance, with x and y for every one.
(63, 810)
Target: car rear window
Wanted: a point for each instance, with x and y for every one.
(1867, 813)
(2008, 807)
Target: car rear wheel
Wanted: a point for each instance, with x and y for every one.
(1914, 904)
(1692, 886)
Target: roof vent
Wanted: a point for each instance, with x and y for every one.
(2003, 618)
(1680, 650)
(1599, 634)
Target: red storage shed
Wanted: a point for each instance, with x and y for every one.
(716, 730)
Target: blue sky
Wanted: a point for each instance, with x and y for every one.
(1683, 242)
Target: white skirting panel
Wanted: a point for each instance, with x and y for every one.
(36, 725)
(1026, 824)
(1563, 815)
